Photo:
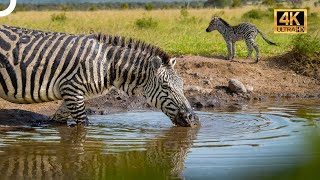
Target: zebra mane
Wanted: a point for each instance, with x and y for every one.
(224, 22)
(116, 40)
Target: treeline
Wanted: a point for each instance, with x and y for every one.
(104, 6)
(142, 5)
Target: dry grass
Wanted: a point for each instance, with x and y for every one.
(174, 32)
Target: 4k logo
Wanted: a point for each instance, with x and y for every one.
(290, 21)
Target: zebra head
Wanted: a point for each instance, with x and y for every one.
(214, 24)
(165, 92)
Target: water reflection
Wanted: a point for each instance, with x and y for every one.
(251, 142)
(77, 156)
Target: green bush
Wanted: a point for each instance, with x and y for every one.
(124, 6)
(148, 6)
(254, 14)
(305, 55)
(269, 2)
(236, 3)
(186, 18)
(146, 22)
(58, 17)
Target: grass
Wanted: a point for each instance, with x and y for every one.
(176, 31)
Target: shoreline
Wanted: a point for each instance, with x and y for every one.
(206, 81)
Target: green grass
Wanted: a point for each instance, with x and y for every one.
(176, 31)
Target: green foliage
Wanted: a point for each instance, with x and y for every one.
(148, 6)
(305, 55)
(254, 14)
(93, 8)
(186, 18)
(124, 6)
(146, 22)
(217, 3)
(236, 3)
(269, 2)
(61, 17)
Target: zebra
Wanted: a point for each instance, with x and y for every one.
(39, 66)
(231, 34)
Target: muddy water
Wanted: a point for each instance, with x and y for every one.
(247, 142)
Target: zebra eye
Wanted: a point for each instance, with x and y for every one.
(165, 86)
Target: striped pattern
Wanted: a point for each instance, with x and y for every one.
(231, 34)
(37, 66)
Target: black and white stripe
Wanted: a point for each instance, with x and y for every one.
(231, 34)
(37, 66)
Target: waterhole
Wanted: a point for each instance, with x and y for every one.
(247, 142)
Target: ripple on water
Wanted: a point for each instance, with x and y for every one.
(226, 143)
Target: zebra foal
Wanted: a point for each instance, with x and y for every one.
(231, 34)
(37, 66)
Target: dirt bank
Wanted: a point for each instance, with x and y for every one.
(206, 81)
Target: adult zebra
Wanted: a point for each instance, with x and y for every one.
(37, 66)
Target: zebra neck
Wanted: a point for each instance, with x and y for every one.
(127, 69)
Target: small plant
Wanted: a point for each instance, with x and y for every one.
(253, 14)
(148, 6)
(93, 8)
(124, 6)
(236, 3)
(186, 18)
(304, 57)
(58, 17)
(146, 22)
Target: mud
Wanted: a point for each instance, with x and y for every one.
(205, 80)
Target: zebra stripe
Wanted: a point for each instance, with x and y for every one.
(37, 66)
(244, 31)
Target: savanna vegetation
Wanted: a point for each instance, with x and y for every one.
(177, 31)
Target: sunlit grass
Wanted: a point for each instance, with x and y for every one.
(175, 33)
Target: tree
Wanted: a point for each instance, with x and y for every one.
(217, 3)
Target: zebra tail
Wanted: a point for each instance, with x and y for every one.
(266, 39)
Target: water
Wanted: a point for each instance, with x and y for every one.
(250, 142)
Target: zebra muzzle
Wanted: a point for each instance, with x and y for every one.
(186, 119)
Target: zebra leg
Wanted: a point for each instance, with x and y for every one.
(74, 101)
(233, 50)
(229, 46)
(250, 49)
(256, 47)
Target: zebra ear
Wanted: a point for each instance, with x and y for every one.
(156, 62)
(172, 62)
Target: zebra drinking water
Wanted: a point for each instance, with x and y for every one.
(231, 34)
(37, 66)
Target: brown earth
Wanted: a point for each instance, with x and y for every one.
(206, 80)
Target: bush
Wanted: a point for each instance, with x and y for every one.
(217, 3)
(254, 14)
(305, 55)
(124, 6)
(146, 23)
(186, 18)
(148, 7)
(58, 17)
(269, 2)
(236, 3)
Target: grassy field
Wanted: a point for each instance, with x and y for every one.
(176, 31)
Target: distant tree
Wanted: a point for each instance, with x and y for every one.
(148, 6)
(124, 6)
(217, 3)
(236, 3)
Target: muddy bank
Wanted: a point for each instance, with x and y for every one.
(206, 86)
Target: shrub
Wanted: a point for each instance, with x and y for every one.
(236, 3)
(148, 6)
(269, 2)
(305, 55)
(186, 18)
(254, 14)
(58, 17)
(124, 6)
(93, 8)
(146, 22)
